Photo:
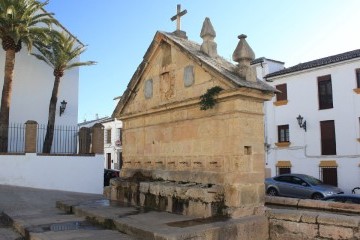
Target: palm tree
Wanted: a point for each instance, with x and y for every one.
(21, 21)
(61, 54)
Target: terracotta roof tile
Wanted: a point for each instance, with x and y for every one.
(317, 63)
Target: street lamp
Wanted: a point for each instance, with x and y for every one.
(301, 123)
(62, 107)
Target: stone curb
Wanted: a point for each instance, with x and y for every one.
(313, 204)
(315, 218)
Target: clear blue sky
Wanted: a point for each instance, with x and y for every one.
(118, 33)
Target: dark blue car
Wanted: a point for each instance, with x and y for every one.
(109, 174)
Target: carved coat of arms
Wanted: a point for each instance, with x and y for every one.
(167, 85)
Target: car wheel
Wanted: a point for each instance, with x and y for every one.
(317, 196)
(272, 192)
(355, 190)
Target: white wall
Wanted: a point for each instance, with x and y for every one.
(32, 86)
(305, 149)
(68, 173)
(267, 66)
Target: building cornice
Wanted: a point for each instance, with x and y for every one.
(277, 77)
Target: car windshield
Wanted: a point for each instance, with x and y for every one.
(313, 181)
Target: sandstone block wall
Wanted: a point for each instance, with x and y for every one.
(223, 148)
(295, 224)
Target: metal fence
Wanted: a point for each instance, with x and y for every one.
(64, 141)
(12, 138)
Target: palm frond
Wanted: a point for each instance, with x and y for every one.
(23, 20)
(42, 58)
(80, 64)
(62, 51)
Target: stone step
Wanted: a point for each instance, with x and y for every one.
(146, 224)
(81, 235)
(57, 225)
(6, 230)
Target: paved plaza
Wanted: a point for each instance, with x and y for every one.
(26, 208)
(36, 214)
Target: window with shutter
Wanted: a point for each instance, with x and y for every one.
(118, 137)
(283, 133)
(283, 167)
(359, 131)
(357, 72)
(108, 136)
(284, 170)
(325, 92)
(328, 140)
(283, 92)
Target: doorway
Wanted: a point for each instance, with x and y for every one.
(108, 156)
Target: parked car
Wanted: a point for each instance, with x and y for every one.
(343, 198)
(109, 174)
(299, 186)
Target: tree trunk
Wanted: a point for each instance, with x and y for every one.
(51, 118)
(6, 99)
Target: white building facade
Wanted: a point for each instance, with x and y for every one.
(112, 139)
(326, 94)
(31, 91)
(112, 143)
(32, 86)
(33, 82)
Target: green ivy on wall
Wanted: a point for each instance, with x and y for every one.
(208, 100)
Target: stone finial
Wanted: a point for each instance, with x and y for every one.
(243, 55)
(207, 29)
(208, 34)
(243, 51)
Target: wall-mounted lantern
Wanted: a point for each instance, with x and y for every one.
(301, 123)
(62, 107)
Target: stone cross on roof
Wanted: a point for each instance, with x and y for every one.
(178, 15)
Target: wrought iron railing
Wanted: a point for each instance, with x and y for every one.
(64, 139)
(12, 138)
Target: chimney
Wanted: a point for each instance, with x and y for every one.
(208, 34)
(243, 55)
